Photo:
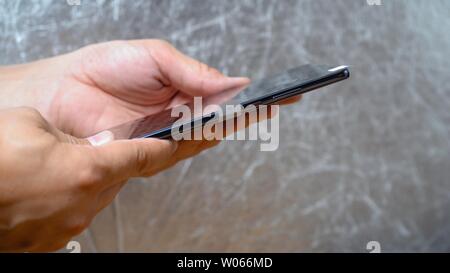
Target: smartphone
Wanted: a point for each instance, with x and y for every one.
(268, 91)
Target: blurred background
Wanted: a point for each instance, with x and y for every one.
(365, 160)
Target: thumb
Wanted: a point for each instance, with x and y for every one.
(122, 159)
(187, 74)
(131, 158)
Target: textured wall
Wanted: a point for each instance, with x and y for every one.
(367, 159)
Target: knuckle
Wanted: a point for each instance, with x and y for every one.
(204, 68)
(207, 70)
(13, 115)
(160, 43)
(143, 160)
(30, 112)
(214, 71)
(160, 49)
(89, 177)
(27, 245)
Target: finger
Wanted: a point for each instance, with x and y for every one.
(243, 120)
(101, 138)
(66, 138)
(187, 74)
(123, 159)
(190, 148)
(290, 100)
(187, 149)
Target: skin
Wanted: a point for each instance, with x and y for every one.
(53, 181)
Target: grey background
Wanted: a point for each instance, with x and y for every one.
(367, 159)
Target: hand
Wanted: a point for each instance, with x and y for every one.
(52, 181)
(103, 85)
(53, 184)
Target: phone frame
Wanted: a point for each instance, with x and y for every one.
(335, 74)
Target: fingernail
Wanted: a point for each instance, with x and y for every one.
(239, 81)
(101, 138)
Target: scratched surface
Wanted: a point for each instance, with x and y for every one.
(368, 159)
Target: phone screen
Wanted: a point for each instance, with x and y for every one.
(267, 91)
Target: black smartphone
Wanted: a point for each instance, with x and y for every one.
(268, 91)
